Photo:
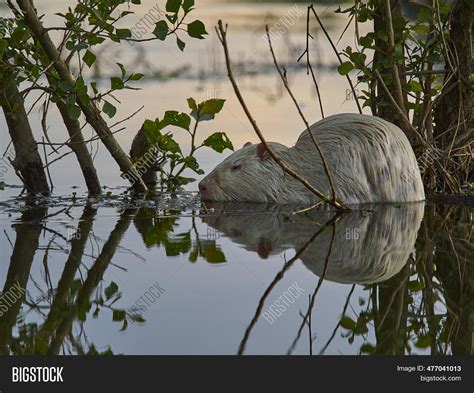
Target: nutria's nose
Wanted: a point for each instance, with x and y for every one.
(203, 188)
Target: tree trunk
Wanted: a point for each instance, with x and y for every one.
(391, 318)
(91, 112)
(78, 146)
(140, 147)
(384, 106)
(454, 113)
(28, 233)
(59, 305)
(94, 277)
(27, 160)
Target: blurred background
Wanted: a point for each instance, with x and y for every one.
(199, 72)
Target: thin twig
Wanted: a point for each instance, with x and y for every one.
(308, 128)
(396, 75)
(318, 286)
(221, 33)
(338, 57)
(278, 278)
(47, 165)
(309, 67)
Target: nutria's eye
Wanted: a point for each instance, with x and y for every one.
(236, 167)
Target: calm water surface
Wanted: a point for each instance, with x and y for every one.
(236, 279)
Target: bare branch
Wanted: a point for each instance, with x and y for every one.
(221, 33)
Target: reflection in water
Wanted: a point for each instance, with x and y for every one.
(369, 246)
(362, 247)
(417, 273)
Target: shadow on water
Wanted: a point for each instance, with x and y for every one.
(414, 262)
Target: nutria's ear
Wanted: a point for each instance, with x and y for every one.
(262, 151)
(247, 143)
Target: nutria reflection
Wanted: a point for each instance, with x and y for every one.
(369, 246)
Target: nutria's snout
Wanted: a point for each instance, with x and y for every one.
(205, 189)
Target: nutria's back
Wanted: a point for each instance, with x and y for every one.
(370, 160)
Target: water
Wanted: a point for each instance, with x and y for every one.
(236, 279)
(172, 276)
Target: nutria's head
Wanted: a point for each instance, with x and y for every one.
(248, 175)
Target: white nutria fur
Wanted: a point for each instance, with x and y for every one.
(370, 161)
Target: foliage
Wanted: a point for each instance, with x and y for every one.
(415, 70)
(418, 47)
(86, 27)
(159, 232)
(171, 153)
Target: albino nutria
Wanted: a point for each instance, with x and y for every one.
(370, 161)
(367, 248)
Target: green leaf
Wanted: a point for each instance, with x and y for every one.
(218, 142)
(95, 40)
(172, 18)
(116, 83)
(94, 87)
(89, 58)
(173, 5)
(20, 34)
(118, 315)
(122, 70)
(74, 111)
(187, 5)
(192, 164)
(137, 318)
(197, 29)
(347, 323)
(192, 104)
(2, 185)
(212, 253)
(367, 348)
(415, 286)
(167, 143)
(422, 342)
(366, 41)
(358, 58)
(345, 68)
(150, 126)
(208, 109)
(161, 30)
(179, 244)
(136, 77)
(174, 118)
(123, 33)
(4, 45)
(151, 131)
(109, 109)
(421, 29)
(111, 290)
(415, 86)
(180, 44)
